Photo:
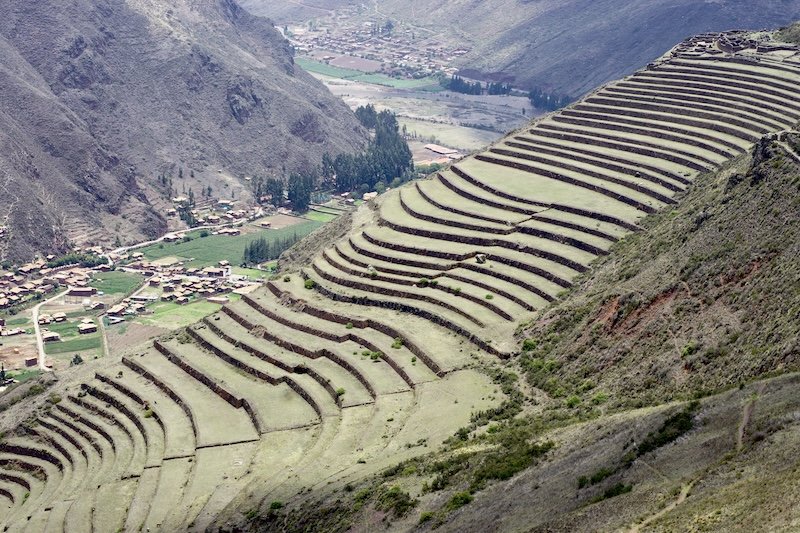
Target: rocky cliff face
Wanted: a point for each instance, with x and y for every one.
(100, 97)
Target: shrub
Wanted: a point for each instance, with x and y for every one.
(427, 516)
(148, 413)
(600, 475)
(398, 343)
(287, 278)
(502, 465)
(599, 398)
(616, 490)
(489, 297)
(423, 282)
(673, 427)
(275, 505)
(690, 349)
(54, 398)
(310, 284)
(349, 325)
(573, 401)
(529, 345)
(204, 233)
(459, 499)
(395, 500)
(340, 391)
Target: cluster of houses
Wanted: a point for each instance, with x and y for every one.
(214, 212)
(9, 332)
(179, 284)
(86, 326)
(35, 278)
(398, 50)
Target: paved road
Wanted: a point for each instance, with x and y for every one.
(38, 330)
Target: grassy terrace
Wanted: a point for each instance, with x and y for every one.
(373, 353)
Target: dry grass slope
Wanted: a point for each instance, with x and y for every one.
(401, 331)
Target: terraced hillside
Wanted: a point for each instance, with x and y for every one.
(375, 352)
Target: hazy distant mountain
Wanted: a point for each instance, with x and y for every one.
(101, 96)
(565, 46)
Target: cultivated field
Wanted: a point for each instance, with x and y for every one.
(206, 251)
(372, 353)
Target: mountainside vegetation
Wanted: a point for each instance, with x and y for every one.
(101, 98)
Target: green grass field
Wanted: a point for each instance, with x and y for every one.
(327, 70)
(65, 329)
(116, 282)
(252, 273)
(428, 84)
(19, 321)
(170, 315)
(24, 375)
(208, 251)
(83, 343)
(320, 217)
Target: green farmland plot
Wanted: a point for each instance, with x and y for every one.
(172, 315)
(427, 84)
(80, 344)
(207, 251)
(320, 216)
(327, 70)
(116, 282)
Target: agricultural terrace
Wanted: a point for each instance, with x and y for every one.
(367, 356)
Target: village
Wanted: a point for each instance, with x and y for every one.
(58, 311)
(373, 44)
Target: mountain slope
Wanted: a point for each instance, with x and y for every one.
(564, 46)
(380, 384)
(104, 96)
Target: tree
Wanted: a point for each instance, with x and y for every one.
(328, 169)
(367, 116)
(299, 191)
(274, 189)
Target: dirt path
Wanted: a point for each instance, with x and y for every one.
(746, 414)
(38, 330)
(685, 490)
(790, 151)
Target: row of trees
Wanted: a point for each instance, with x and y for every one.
(460, 85)
(498, 88)
(297, 189)
(547, 101)
(260, 250)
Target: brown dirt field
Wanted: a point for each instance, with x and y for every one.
(16, 349)
(281, 221)
(123, 337)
